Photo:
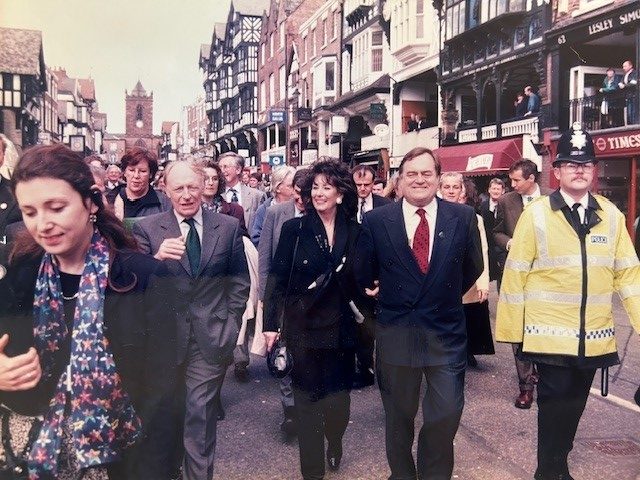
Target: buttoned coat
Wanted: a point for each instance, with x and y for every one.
(212, 301)
(420, 319)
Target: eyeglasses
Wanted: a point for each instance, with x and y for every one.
(573, 167)
(211, 179)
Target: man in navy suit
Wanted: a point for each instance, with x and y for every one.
(424, 254)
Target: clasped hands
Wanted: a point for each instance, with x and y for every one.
(21, 372)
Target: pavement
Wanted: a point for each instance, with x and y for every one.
(495, 441)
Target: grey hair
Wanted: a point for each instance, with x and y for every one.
(453, 175)
(239, 159)
(195, 166)
(279, 175)
(97, 171)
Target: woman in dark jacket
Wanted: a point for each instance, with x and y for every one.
(136, 198)
(87, 333)
(312, 279)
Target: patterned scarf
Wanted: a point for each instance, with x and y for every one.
(100, 412)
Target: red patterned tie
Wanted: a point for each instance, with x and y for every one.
(421, 242)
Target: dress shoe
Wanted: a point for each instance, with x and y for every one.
(241, 373)
(363, 379)
(334, 455)
(525, 399)
(471, 361)
(289, 425)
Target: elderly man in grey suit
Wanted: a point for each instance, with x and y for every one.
(204, 251)
(274, 219)
(250, 199)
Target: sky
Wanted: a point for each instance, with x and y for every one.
(119, 42)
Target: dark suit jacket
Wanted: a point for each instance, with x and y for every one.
(379, 201)
(9, 211)
(211, 302)
(420, 320)
(139, 325)
(489, 222)
(317, 317)
(275, 218)
(509, 210)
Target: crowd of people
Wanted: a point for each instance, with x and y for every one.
(127, 292)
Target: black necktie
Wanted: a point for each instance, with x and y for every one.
(362, 210)
(193, 246)
(234, 195)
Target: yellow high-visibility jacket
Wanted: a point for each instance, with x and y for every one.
(543, 300)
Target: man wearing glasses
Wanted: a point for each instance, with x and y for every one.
(570, 251)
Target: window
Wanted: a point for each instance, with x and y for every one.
(314, 39)
(283, 83)
(336, 23)
(263, 98)
(420, 18)
(455, 22)
(138, 112)
(271, 42)
(376, 51)
(282, 31)
(305, 49)
(329, 79)
(262, 56)
(272, 90)
(324, 32)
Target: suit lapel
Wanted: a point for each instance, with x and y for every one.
(397, 233)
(169, 224)
(446, 224)
(210, 236)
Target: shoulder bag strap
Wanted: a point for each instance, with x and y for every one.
(286, 295)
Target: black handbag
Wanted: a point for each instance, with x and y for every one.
(279, 359)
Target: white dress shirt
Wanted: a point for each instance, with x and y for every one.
(368, 205)
(527, 199)
(412, 220)
(228, 194)
(584, 203)
(184, 227)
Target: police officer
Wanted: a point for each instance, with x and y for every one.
(571, 250)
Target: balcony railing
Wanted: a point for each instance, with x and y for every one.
(427, 137)
(510, 128)
(605, 110)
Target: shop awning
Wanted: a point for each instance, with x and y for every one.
(480, 158)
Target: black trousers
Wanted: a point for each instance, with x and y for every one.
(562, 396)
(319, 418)
(441, 411)
(365, 347)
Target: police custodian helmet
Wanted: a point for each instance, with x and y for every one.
(575, 146)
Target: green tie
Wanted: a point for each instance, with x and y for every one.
(193, 246)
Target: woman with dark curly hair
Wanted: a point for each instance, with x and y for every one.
(86, 334)
(312, 287)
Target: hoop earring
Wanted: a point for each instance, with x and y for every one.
(92, 218)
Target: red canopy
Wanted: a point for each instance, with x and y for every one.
(480, 158)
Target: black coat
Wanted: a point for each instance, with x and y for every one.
(9, 211)
(317, 317)
(139, 324)
(489, 220)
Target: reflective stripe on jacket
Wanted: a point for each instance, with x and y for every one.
(542, 289)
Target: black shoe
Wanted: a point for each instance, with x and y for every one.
(471, 361)
(241, 373)
(334, 455)
(364, 379)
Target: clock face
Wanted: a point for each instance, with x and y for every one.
(139, 124)
(77, 145)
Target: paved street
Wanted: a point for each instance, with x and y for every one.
(495, 441)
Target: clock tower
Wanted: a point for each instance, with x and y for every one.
(139, 112)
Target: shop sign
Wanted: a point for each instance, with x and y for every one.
(480, 161)
(377, 111)
(304, 114)
(626, 15)
(624, 143)
(277, 116)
